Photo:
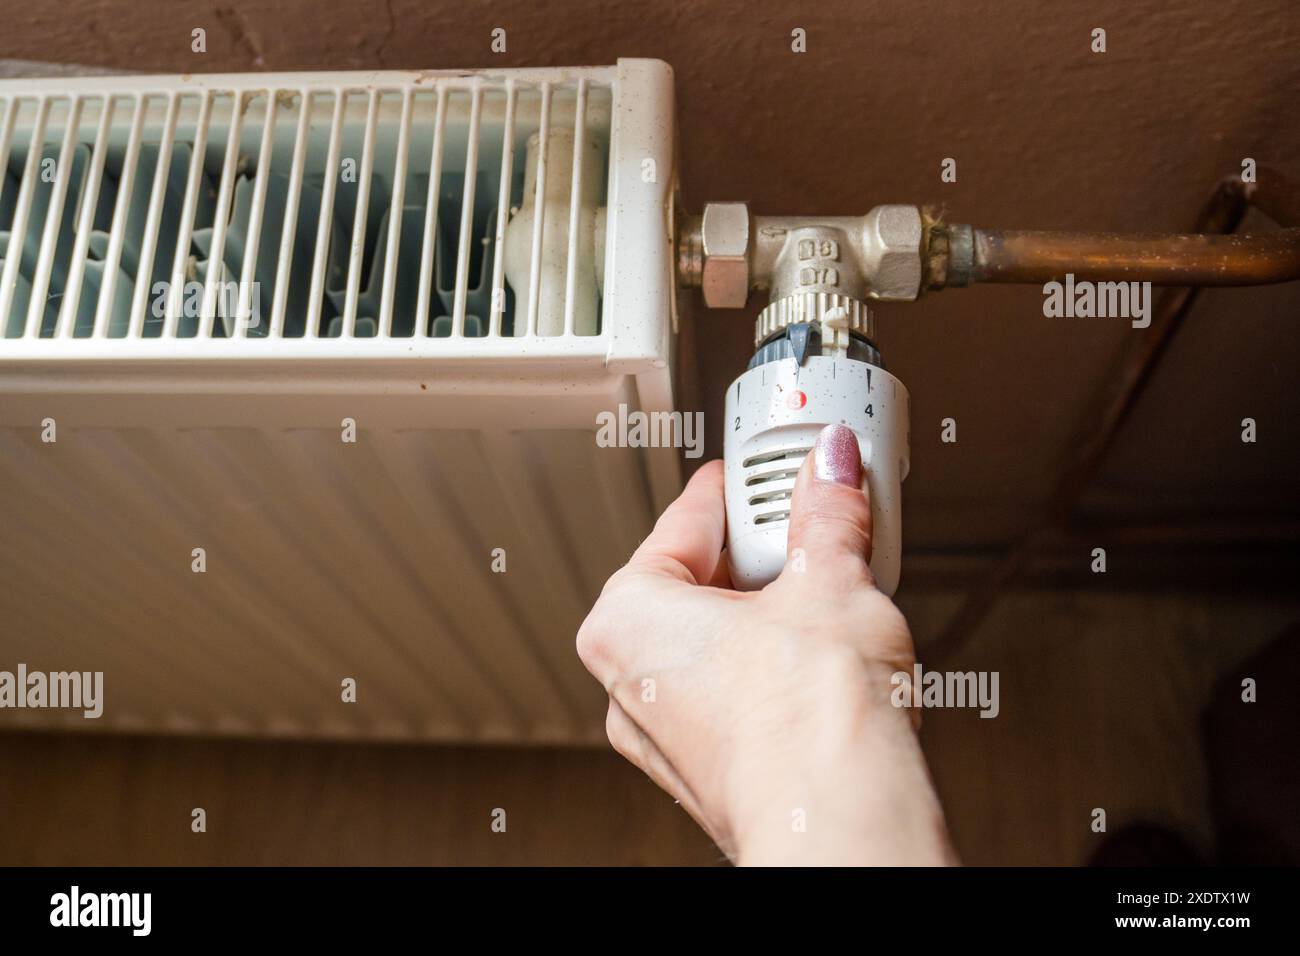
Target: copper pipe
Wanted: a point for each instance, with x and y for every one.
(960, 255)
(1192, 259)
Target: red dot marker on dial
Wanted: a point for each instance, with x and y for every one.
(797, 400)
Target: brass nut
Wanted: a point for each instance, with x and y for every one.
(893, 236)
(725, 235)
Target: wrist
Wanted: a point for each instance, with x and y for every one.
(841, 781)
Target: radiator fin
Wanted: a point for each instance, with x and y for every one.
(316, 211)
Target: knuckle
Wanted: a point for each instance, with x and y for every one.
(658, 563)
(613, 729)
(612, 584)
(592, 643)
(827, 521)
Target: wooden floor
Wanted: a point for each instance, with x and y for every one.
(1100, 697)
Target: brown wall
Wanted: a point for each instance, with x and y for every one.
(91, 800)
(1046, 133)
(1101, 699)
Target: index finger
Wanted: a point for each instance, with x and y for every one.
(686, 543)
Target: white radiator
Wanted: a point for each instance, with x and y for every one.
(205, 280)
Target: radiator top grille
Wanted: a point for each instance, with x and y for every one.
(214, 208)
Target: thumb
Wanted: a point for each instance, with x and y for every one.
(830, 515)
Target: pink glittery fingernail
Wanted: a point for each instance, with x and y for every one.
(836, 456)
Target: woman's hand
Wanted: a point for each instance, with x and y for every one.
(767, 714)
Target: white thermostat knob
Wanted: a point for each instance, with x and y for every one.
(774, 412)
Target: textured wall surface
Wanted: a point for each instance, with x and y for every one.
(1046, 134)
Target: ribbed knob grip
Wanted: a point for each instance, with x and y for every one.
(814, 307)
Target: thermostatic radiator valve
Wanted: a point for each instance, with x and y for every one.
(817, 361)
(816, 364)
